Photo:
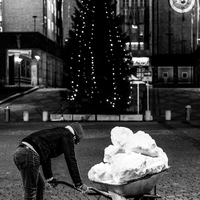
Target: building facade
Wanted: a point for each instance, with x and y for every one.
(137, 17)
(31, 37)
(163, 37)
(163, 40)
(175, 39)
(68, 11)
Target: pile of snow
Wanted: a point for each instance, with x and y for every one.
(130, 156)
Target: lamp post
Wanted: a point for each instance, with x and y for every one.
(18, 61)
(37, 57)
(34, 20)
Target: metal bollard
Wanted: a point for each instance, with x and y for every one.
(187, 112)
(45, 116)
(167, 115)
(25, 116)
(7, 114)
(148, 115)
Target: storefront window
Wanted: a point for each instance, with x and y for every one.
(23, 68)
(28, 68)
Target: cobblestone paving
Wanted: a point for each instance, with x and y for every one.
(180, 141)
(183, 179)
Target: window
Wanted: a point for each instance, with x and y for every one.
(52, 26)
(52, 8)
(184, 75)
(124, 12)
(134, 3)
(165, 74)
(49, 5)
(141, 15)
(28, 66)
(55, 12)
(58, 12)
(45, 20)
(142, 3)
(45, 3)
(125, 3)
(49, 24)
(141, 45)
(55, 29)
(23, 68)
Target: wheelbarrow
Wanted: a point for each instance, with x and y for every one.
(138, 189)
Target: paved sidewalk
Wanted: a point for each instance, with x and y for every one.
(175, 99)
(48, 99)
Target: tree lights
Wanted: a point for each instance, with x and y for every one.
(96, 58)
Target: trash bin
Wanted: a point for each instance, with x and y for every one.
(7, 114)
(187, 112)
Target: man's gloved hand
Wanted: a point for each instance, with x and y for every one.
(52, 182)
(83, 188)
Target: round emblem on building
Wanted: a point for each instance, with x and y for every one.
(182, 6)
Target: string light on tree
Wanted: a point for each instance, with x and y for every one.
(97, 65)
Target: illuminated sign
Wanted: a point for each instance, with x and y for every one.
(140, 61)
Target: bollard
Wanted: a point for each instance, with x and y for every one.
(7, 114)
(25, 116)
(187, 112)
(45, 116)
(167, 115)
(148, 115)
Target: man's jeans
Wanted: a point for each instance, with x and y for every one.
(28, 163)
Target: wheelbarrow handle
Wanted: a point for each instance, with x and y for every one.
(99, 192)
(92, 190)
(67, 184)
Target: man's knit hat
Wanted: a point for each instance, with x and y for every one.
(78, 131)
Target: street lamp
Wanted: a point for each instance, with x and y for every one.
(37, 57)
(34, 20)
(18, 61)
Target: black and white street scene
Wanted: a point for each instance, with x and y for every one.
(99, 100)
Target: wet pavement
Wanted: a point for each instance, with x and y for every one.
(180, 140)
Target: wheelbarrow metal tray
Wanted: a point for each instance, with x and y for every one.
(132, 188)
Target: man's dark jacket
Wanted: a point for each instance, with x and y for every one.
(50, 143)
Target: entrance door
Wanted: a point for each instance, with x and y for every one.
(11, 70)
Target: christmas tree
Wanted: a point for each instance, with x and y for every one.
(97, 60)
